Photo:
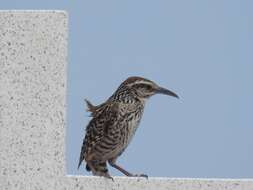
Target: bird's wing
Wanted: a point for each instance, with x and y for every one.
(98, 127)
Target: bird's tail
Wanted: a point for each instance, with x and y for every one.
(91, 108)
(94, 109)
(80, 160)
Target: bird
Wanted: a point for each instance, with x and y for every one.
(114, 124)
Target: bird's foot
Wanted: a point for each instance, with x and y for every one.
(108, 176)
(140, 175)
(105, 175)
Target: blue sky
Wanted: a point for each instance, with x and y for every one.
(200, 49)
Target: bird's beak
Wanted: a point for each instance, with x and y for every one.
(165, 91)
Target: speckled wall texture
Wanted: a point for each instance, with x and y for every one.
(33, 59)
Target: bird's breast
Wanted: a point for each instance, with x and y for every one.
(125, 129)
(131, 124)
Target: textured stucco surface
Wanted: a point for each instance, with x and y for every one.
(33, 59)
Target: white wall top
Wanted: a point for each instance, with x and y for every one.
(33, 59)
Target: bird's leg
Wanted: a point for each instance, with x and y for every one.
(89, 163)
(113, 164)
(121, 169)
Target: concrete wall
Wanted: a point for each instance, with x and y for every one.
(33, 59)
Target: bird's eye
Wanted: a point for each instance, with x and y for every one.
(143, 86)
(149, 87)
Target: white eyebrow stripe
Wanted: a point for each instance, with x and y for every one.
(143, 82)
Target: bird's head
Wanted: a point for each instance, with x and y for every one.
(145, 88)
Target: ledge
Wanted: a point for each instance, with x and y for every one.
(159, 183)
(33, 62)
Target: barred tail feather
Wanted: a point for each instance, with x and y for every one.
(91, 107)
(81, 158)
(80, 161)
